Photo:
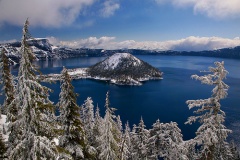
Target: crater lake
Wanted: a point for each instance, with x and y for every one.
(156, 99)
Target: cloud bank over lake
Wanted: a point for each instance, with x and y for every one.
(191, 43)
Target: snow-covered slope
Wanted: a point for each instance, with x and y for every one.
(124, 68)
(40, 46)
(115, 60)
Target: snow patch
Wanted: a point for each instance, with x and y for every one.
(39, 39)
(77, 71)
(113, 61)
(4, 127)
(56, 140)
(54, 47)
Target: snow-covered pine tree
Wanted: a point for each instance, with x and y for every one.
(234, 150)
(173, 145)
(7, 82)
(133, 154)
(211, 135)
(140, 139)
(97, 129)
(190, 146)
(3, 148)
(35, 119)
(9, 105)
(156, 140)
(88, 119)
(122, 145)
(119, 123)
(119, 136)
(73, 139)
(109, 147)
(126, 143)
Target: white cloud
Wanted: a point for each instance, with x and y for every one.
(187, 44)
(204, 43)
(46, 13)
(91, 42)
(53, 40)
(110, 6)
(8, 41)
(218, 9)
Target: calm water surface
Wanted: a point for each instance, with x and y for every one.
(158, 99)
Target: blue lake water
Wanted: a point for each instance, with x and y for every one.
(157, 99)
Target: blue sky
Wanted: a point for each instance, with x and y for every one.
(111, 24)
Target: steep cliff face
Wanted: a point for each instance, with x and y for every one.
(40, 47)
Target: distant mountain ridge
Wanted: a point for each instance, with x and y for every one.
(40, 46)
(44, 50)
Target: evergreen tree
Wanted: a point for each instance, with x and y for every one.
(133, 154)
(97, 129)
(88, 119)
(156, 140)
(73, 138)
(7, 81)
(9, 105)
(126, 143)
(122, 145)
(212, 134)
(109, 140)
(173, 144)
(190, 146)
(118, 135)
(234, 150)
(140, 138)
(35, 120)
(119, 124)
(3, 148)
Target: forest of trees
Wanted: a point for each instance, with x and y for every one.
(79, 132)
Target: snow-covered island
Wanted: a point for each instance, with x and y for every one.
(120, 68)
